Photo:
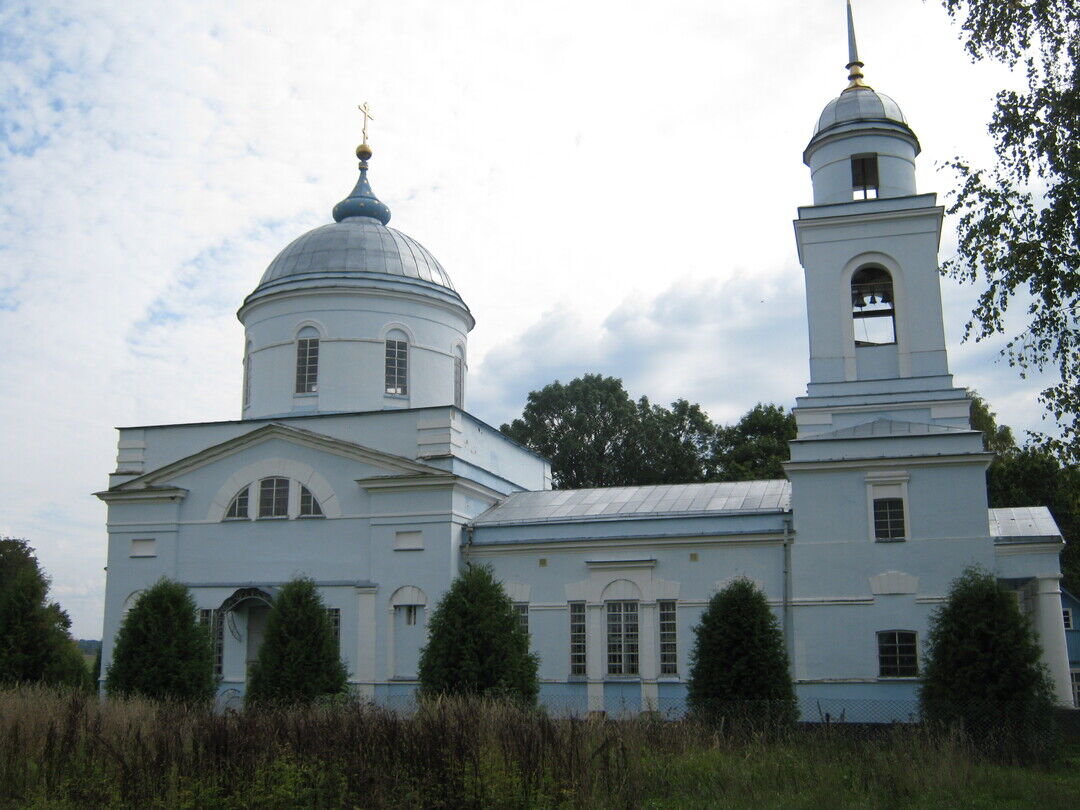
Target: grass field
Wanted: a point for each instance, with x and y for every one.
(66, 750)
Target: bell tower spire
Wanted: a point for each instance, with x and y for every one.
(854, 65)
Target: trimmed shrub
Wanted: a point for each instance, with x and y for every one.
(983, 670)
(738, 666)
(161, 651)
(299, 659)
(476, 645)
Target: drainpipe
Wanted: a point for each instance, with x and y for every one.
(789, 630)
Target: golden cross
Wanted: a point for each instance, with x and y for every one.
(367, 114)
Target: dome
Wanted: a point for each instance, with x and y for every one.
(856, 105)
(356, 245)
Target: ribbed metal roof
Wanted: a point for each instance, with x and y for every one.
(356, 245)
(862, 104)
(1017, 524)
(618, 502)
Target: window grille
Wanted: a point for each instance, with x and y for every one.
(274, 497)
(459, 381)
(668, 649)
(1067, 618)
(309, 506)
(238, 509)
(522, 610)
(334, 615)
(889, 518)
(307, 365)
(897, 657)
(577, 638)
(211, 619)
(864, 177)
(397, 367)
(622, 638)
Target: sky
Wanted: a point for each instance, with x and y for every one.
(610, 185)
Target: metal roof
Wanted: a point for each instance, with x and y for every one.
(1023, 523)
(561, 505)
(862, 104)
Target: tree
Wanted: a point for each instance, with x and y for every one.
(756, 446)
(34, 641)
(1019, 224)
(299, 659)
(476, 645)
(983, 669)
(738, 666)
(161, 652)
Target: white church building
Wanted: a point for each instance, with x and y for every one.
(355, 462)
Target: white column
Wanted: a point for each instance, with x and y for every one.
(1051, 630)
(648, 653)
(595, 655)
(364, 660)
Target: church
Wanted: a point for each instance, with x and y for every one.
(355, 462)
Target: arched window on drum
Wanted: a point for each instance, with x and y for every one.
(873, 307)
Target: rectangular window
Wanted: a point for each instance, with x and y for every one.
(411, 613)
(889, 518)
(397, 367)
(668, 641)
(459, 382)
(864, 177)
(522, 610)
(897, 657)
(1076, 687)
(622, 638)
(577, 638)
(307, 365)
(274, 497)
(334, 615)
(247, 377)
(211, 619)
(1067, 618)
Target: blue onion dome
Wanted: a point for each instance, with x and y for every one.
(357, 250)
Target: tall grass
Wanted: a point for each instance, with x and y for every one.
(67, 750)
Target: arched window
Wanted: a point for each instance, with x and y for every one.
(309, 504)
(397, 363)
(459, 377)
(274, 497)
(247, 374)
(872, 307)
(238, 507)
(307, 361)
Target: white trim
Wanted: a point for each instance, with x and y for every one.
(275, 468)
(302, 325)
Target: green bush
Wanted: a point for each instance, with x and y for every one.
(983, 670)
(161, 651)
(738, 666)
(299, 658)
(476, 645)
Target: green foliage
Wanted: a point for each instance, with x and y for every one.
(596, 436)
(34, 641)
(755, 447)
(299, 659)
(1019, 222)
(738, 666)
(983, 670)
(476, 645)
(161, 652)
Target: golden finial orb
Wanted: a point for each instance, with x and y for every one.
(363, 151)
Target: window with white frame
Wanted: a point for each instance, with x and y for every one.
(397, 364)
(622, 637)
(247, 374)
(887, 506)
(668, 638)
(411, 613)
(1067, 618)
(888, 518)
(459, 378)
(309, 504)
(577, 639)
(307, 361)
(334, 616)
(238, 506)
(274, 497)
(522, 611)
(897, 654)
(211, 620)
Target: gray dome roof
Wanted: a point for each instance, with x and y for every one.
(355, 245)
(861, 104)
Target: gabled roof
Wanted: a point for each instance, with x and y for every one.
(275, 430)
(885, 427)
(1024, 524)
(612, 503)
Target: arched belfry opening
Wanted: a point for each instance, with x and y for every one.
(873, 307)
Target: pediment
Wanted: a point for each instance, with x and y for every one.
(387, 463)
